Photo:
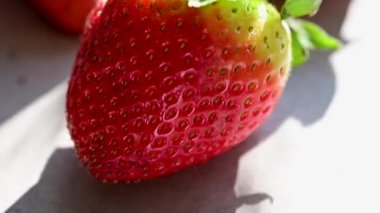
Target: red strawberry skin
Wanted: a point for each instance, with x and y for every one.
(158, 86)
(66, 15)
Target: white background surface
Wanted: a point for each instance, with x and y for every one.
(319, 152)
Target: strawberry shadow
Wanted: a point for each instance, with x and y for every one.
(33, 57)
(64, 186)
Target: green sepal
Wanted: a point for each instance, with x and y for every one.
(308, 36)
(300, 54)
(319, 37)
(298, 8)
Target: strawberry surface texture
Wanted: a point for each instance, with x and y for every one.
(159, 86)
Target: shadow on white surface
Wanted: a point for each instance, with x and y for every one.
(33, 57)
(65, 186)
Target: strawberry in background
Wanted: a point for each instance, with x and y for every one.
(66, 15)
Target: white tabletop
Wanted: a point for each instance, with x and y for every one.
(319, 152)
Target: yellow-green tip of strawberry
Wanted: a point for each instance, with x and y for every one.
(306, 35)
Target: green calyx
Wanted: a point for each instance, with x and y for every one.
(298, 8)
(306, 36)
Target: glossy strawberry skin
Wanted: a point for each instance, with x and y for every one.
(158, 87)
(66, 15)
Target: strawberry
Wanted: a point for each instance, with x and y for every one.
(66, 15)
(159, 86)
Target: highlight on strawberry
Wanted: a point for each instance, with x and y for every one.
(162, 85)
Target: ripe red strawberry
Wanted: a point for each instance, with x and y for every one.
(159, 86)
(66, 15)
